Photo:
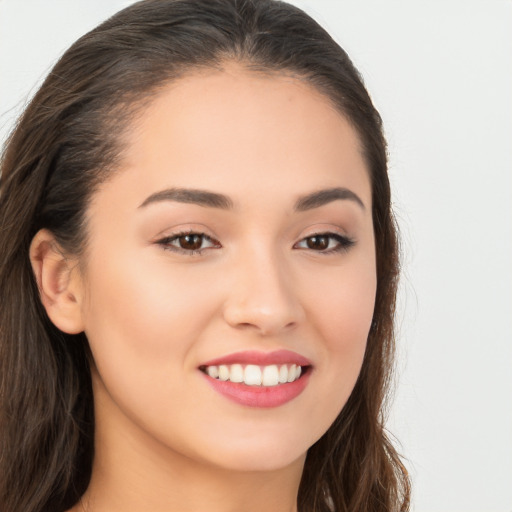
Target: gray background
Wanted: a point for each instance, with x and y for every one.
(440, 72)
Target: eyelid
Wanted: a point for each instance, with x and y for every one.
(165, 242)
(344, 242)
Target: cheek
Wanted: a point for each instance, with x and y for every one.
(344, 303)
(347, 316)
(343, 313)
(141, 305)
(142, 321)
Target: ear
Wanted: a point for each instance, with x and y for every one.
(59, 282)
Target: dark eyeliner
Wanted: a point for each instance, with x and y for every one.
(165, 243)
(344, 243)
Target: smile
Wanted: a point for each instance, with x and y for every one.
(253, 375)
(257, 379)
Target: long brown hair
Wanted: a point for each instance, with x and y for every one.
(67, 142)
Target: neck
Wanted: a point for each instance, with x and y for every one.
(215, 492)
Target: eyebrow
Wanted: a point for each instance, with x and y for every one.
(188, 195)
(322, 197)
(215, 200)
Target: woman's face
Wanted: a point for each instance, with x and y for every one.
(235, 241)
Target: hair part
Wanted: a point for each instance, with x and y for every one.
(69, 141)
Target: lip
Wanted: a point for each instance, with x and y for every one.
(259, 396)
(260, 358)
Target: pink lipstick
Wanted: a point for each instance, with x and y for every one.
(258, 379)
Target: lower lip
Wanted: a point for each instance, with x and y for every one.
(259, 396)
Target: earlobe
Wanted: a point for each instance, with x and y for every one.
(58, 281)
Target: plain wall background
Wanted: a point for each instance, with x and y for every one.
(440, 72)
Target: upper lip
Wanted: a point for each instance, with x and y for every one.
(260, 358)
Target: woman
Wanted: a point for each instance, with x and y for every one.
(198, 272)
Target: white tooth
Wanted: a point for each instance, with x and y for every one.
(291, 373)
(283, 374)
(298, 371)
(212, 371)
(223, 372)
(270, 376)
(236, 373)
(252, 375)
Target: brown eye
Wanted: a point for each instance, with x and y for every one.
(325, 243)
(318, 242)
(191, 242)
(188, 243)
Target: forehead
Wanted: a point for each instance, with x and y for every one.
(226, 128)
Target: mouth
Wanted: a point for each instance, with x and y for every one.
(255, 375)
(257, 379)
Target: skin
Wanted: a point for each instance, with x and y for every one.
(164, 439)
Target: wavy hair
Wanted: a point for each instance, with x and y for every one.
(67, 142)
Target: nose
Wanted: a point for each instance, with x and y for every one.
(262, 295)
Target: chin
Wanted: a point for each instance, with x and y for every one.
(257, 454)
(261, 461)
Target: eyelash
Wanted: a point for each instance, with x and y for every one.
(343, 243)
(166, 243)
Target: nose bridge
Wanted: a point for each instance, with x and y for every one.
(262, 294)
